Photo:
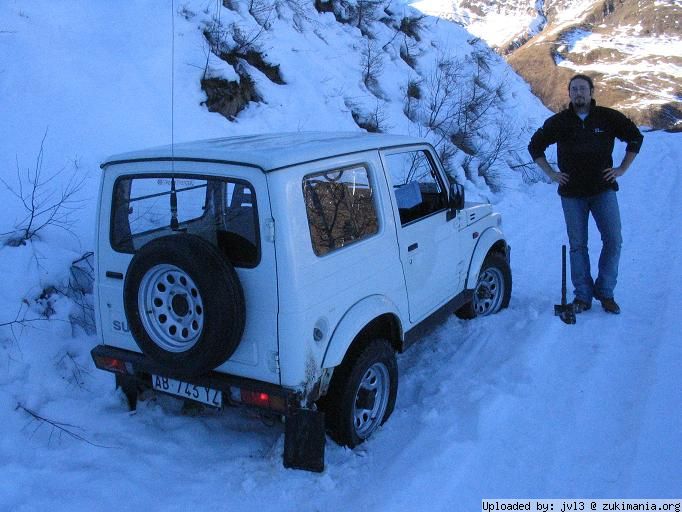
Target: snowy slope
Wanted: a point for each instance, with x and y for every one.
(497, 23)
(514, 405)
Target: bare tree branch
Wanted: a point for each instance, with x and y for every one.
(44, 204)
(59, 427)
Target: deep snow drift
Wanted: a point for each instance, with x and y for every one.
(516, 405)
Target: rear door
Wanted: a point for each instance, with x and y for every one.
(227, 205)
(428, 239)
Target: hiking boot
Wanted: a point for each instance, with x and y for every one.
(580, 305)
(610, 306)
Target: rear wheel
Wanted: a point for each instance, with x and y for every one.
(184, 304)
(362, 394)
(493, 289)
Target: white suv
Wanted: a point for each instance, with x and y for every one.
(284, 272)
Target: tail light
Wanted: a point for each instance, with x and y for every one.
(112, 364)
(258, 399)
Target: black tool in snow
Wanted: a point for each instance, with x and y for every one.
(564, 311)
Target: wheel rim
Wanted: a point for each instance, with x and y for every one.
(489, 292)
(371, 399)
(171, 308)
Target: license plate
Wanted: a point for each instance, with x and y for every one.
(208, 396)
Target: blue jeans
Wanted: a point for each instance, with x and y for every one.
(604, 209)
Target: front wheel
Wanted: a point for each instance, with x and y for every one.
(362, 394)
(493, 289)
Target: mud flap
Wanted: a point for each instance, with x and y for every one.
(304, 441)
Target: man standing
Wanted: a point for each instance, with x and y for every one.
(584, 134)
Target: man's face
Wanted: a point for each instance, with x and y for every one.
(579, 92)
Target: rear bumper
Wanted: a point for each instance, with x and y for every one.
(140, 368)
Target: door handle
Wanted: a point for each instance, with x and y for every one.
(412, 247)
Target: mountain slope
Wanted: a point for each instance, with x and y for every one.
(628, 46)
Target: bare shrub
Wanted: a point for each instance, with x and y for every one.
(71, 370)
(374, 120)
(324, 6)
(361, 13)
(530, 173)
(456, 109)
(57, 428)
(372, 65)
(21, 321)
(408, 52)
(233, 44)
(79, 289)
(302, 14)
(411, 26)
(44, 203)
(413, 93)
(414, 90)
(468, 166)
(262, 10)
(443, 97)
(464, 141)
(367, 12)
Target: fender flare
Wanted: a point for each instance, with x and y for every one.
(353, 322)
(486, 240)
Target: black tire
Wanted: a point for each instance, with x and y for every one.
(353, 410)
(493, 289)
(184, 304)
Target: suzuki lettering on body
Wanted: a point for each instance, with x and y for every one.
(120, 326)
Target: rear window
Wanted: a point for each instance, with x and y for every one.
(220, 210)
(340, 208)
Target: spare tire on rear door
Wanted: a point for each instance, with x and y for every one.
(184, 304)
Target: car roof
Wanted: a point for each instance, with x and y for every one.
(268, 151)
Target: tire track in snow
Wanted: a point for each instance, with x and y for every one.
(520, 404)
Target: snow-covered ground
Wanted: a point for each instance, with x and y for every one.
(516, 405)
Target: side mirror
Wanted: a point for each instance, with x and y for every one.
(456, 197)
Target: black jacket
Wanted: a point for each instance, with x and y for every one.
(584, 148)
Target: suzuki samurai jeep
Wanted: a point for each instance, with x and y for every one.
(284, 272)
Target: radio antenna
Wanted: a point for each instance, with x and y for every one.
(173, 85)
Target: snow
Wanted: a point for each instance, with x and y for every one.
(574, 11)
(496, 27)
(515, 405)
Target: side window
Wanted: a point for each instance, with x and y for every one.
(340, 208)
(417, 187)
(221, 211)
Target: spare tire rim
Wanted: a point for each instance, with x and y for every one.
(171, 308)
(489, 292)
(371, 399)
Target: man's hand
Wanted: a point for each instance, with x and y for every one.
(612, 173)
(560, 177)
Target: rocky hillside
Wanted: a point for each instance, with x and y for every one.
(630, 48)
